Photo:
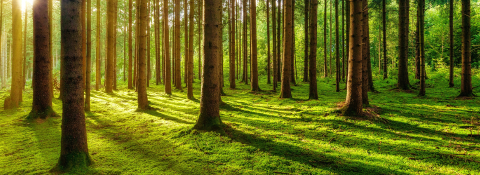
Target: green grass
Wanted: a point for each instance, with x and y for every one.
(436, 134)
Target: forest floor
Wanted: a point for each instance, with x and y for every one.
(436, 134)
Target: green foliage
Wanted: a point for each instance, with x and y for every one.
(437, 134)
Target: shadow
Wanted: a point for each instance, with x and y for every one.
(166, 117)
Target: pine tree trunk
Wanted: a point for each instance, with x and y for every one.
(421, 22)
(274, 35)
(185, 49)
(232, 45)
(178, 77)
(347, 45)
(89, 55)
(74, 147)
(325, 47)
(166, 45)
(337, 50)
(466, 89)
(42, 99)
(450, 84)
(209, 118)
(365, 54)
(353, 103)
(279, 41)
(285, 91)
(253, 34)
(98, 57)
(24, 74)
(245, 42)
(149, 69)
(417, 47)
(268, 44)
(343, 40)
(2, 59)
(403, 82)
(16, 59)
(200, 20)
(84, 40)
(306, 56)
(142, 54)
(384, 22)
(190, 52)
(313, 92)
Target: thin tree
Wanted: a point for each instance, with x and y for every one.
(186, 52)
(89, 55)
(98, 65)
(253, 35)
(166, 45)
(313, 93)
(306, 57)
(13, 101)
(403, 82)
(268, 44)
(231, 49)
(450, 84)
(130, 33)
(3, 73)
(421, 23)
(285, 91)
(337, 49)
(365, 54)
(74, 147)
(274, 35)
(384, 22)
(353, 103)
(209, 119)
(178, 77)
(24, 74)
(190, 52)
(245, 79)
(200, 20)
(42, 99)
(110, 46)
(466, 87)
(325, 47)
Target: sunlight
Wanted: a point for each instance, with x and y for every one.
(24, 3)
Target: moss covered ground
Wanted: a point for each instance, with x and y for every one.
(406, 134)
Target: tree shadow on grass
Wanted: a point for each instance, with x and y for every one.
(305, 156)
(166, 117)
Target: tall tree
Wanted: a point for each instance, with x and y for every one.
(450, 84)
(16, 50)
(466, 87)
(185, 22)
(42, 99)
(231, 27)
(325, 47)
(253, 35)
(98, 65)
(166, 45)
(306, 57)
(403, 82)
(384, 22)
(313, 93)
(84, 40)
(285, 91)
(130, 32)
(421, 26)
(142, 60)
(245, 74)
(74, 147)
(89, 55)
(190, 52)
(274, 35)
(337, 49)
(353, 103)
(209, 118)
(268, 44)
(200, 20)
(24, 74)
(110, 46)
(178, 77)
(3, 73)
(347, 39)
(365, 54)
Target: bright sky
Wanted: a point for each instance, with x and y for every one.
(30, 3)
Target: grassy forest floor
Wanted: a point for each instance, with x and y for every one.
(436, 134)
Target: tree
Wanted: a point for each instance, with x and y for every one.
(185, 22)
(98, 65)
(209, 119)
(232, 45)
(268, 44)
(13, 101)
(313, 93)
(337, 49)
(142, 54)
(84, 40)
(466, 87)
(245, 74)
(353, 103)
(450, 84)
(384, 22)
(130, 32)
(421, 26)
(24, 74)
(325, 50)
(306, 57)
(403, 82)
(166, 45)
(109, 73)
(365, 54)
(285, 91)
(3, 73)
(274, 35)
(74, 147)
(178, 77)
(89, 55)
(42, 99)
(190, 57)
(253, 35)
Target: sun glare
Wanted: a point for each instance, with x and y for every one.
(25, 2)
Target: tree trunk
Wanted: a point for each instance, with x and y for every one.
(98, 73)
(384, 22)
(178, 77)
(24, 74)
(417, 47)
(403, 82)
(89, 55)
(166, 45)
(110, 46)
(16, 59)
(285, 91)
(190, 57)
(84, 40)
(279, 41)
(245, 79)
(450, 84)
(42, 99)
(421, 23)
(343, 40)
(466, 89)
(185, 49)
(325, 50)
(209, 118)
(347, 46)
(253, 35)
(142, 54)
(149, 67)
(232, 46)
(200, 20)
(337, 50)
(313, 93)
(306, 56)
(353, 103)
(3, 73)
(130, 33)
(293, 62)
(74, 147)
(274, 35)
(365, 54)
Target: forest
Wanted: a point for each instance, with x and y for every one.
(239, 87)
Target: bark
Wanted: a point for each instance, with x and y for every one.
(325, 50)
(232, 46)
(313, 93)
(268, 44)
(347, 45)
(110, 46)
(98, 73)
(353, 103)
(466, 89)
(209, 118)
(253, 34)
(403, 82)
(285, 91)
(84, 39)
(421, 21)
(417, 47)
(149, 67)
(200, 20)
(190, 57)
(274, 35)
(245, 74)
(142, 54)
(384, 22)
(365, 54)
(450, 84)
(16, 59)
(185, 21)
(24, 74)
(166, 45)
(306, 56)
(178, 77)
(89, 55)
(74, 147)
(279, 41)
(343, 40)
(130, 32)
(294, 60)
(42, 99)
(337, 49)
